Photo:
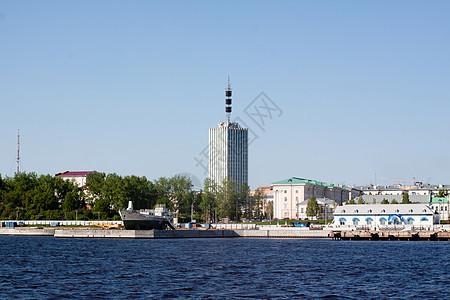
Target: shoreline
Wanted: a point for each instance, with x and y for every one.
(290, 233)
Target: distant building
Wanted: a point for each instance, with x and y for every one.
(77, 177)
(441, 206)
(385, 216)
(398, 189)
(290, 193)
(228, 149)
(326, 205)
(418, 194)
(378, 199)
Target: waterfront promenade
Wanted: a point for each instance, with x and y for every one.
(290, 233)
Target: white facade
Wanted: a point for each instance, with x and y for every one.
(441, 206)
(228, 153)
(77, 177)
(385, 216)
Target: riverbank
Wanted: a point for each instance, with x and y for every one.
(166, 234)
(290, 233)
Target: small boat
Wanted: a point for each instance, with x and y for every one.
(147, 219)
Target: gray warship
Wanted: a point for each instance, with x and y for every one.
(147, 219)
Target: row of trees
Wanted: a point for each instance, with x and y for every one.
(29, 196)
(229, 200)
(405, 200)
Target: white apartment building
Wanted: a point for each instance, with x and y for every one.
(228, 153)
(77, 177)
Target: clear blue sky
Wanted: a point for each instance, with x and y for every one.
(131, 87)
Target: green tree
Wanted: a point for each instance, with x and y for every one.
(269, 211)
(405, 198)
(384, 201)
(393, 201)
(178, 189)
(351, 201)
(227, 200)
(259, 199)
(312, 207)
(244, 201)
(361, 200)
(209, 198)
(442, 193)
(181, 193)
(139, 190)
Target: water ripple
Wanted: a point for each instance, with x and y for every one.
(45, 267)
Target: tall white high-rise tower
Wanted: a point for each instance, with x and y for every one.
(228, 149)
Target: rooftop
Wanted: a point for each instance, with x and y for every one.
(439, 200)
(74, 173)
(297, 180)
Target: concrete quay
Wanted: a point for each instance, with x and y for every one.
(142, 234)
(173, 234)
(391, 235)
(28, 231)
(289, 233)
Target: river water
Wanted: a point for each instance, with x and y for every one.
(47, 267)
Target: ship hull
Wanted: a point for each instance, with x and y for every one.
(137, 221)
(147, 224)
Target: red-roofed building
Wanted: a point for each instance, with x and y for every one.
(78, 177)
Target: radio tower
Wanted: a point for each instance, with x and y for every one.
(18, 151)
(228, 100)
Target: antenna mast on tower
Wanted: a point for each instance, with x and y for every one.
(228, 100)
(18, 150)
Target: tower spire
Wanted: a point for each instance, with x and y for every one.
(228, 100)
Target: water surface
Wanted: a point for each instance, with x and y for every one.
(47, 267)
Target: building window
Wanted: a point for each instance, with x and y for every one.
(382, 221)
(296, 199)
(355, 221)
(302, 209)
(369, 221)
(285, 191)
(296, 191)
(342, 221)
(285, 198)
(285, 206)
(285, 214)
(396, 221)
(410, 221)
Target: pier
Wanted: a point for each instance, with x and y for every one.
(391, 235)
